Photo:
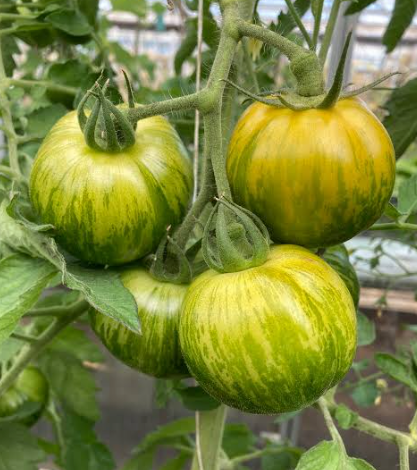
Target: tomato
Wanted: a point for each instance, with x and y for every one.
(31, 387)
(316, 177)
(273, 338)
(156, 351)
(111, 208)
(338, 258)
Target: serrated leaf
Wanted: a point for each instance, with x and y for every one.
(365, 394)
(396, 368)
(407, 195)
(68, 73)
(345, 416)
(19, 450)
(71, 382)
(196, 399)
(76, 342)
(238, 439)
(324, 456)
(280, 458)
(402, 16)
(138, 7)
(82, 449)
(41, 120)
(366, 330)
(358, 464)
(286, 23)
(392, 212)
(401, 122)
(22, 279)
(70, 21)
(358, 5)
(89, 8)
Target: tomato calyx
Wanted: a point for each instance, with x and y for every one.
(234, 238)
(107, 128)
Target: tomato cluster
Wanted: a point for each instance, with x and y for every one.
(268, 339)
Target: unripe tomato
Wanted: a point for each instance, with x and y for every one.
(156, 350)
(273, 338)
(111, 208)
(316, 177)
(30, 386)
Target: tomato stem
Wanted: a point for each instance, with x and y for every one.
(328, 33)
(31, 350)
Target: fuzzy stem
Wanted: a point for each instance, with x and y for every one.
(69, 90)
(328, 33)
(299, 23)
(30, 351)
(317, 23)
(305, 65)
(8, 120)
(209, 435)
(403, 448)
(379, 431)
(322, 402)
(394, 226)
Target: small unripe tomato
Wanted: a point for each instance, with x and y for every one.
(30, 386)
(156, 350)
(316, 177)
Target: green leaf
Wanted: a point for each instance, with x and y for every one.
(74, 341)
(89, 9)
(177, 463)
(402, 16)
(280, 458)
(141, 461)
(345, 416)
(361, 365)
(105, 292)
(102, 287)
(365, 394)
(238, 439)
(41, 120)
(82, 449)
(358, 464)
(8, 48)
(196, 399)
(178, 428)
(366, 330)
(188, 44)
(22, 279)
(137, 7)
(392, 212)
(69, 73)
(71, 382)
(19, 450)
(407, 195)
(338, 258)
(401, 122)
(324, 456)
(358, 5)
(70, 21)
(164, 389)
(286, 23)
(397, 369)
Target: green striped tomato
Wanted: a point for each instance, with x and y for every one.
(156, 350)
(316, 177)
(273, 338)
(30, 388)
(111, 208)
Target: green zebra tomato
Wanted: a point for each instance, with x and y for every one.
(111, 208)
(273, 338)
(156, 350)
(26, 398)
(316, 178)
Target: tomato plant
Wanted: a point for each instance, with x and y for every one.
(98, 229)
(236, 329)
(111, 208)
(315, 177)
(155, 351)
